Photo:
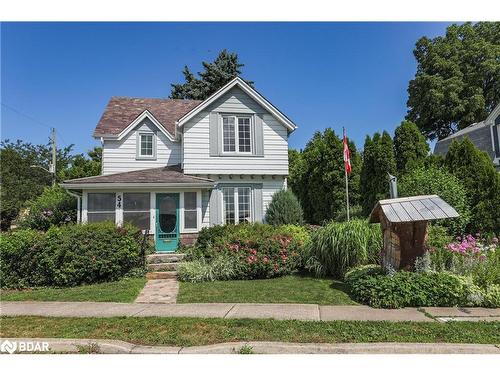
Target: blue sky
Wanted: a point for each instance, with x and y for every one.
(320, 74)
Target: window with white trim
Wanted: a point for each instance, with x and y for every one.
(237, 203)
(136, 209)
(101, 207)
(146, 145)
(236, 134)
(190, 211)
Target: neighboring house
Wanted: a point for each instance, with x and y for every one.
(173, 167)
(485, 135)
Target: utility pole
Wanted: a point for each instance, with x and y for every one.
(52, 168)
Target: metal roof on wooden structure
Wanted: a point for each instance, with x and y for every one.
(418, 208)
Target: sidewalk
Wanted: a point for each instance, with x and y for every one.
(257, 347)
(243, 310)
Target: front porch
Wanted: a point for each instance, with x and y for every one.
(170, 206)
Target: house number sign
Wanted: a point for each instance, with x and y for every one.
(118, 201)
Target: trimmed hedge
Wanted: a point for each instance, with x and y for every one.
(69, 255)
(245, 251)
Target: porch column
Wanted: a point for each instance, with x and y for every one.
(152, 212)
(119, 209)
(84, 207)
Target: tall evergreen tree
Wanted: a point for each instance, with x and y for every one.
(476, 171)
(378, 161)
(457, 80)
(215, 75)
(317, 177)
(410, 147)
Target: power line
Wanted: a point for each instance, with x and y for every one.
(36, 121)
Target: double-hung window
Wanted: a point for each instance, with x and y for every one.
(136, 209)
(237, 204)
(146, 146)
(236, 134)
(190, 211)
(101, 207)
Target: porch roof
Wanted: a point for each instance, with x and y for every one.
(169, 176)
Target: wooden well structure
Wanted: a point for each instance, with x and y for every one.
(404, 226)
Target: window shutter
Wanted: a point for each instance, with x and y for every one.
(214, 134)
(258, 133)
(215, 207)
(257, 203)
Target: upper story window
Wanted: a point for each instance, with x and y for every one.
(146, 147)
(237, 135)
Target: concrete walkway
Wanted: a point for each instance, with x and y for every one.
(159, 291)
(263, 347)
(244, 310)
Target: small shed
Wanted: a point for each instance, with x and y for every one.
(404, 226)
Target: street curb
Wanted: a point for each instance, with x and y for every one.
(57, 345)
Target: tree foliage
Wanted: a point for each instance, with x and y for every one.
(477, 173)
(410, 147)
(317, 177)
(378, 161)
(457, 81)
(21, 181)
(432, 180)
(284, 209)
(215, 75)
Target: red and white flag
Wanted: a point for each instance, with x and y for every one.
(347, 155)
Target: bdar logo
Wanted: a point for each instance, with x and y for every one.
(8, 347)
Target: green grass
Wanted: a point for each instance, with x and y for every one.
(287, 289)
(198, 331)
(125, 290)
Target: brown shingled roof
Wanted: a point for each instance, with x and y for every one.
(121, 111)
(162, 175)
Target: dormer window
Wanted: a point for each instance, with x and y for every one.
(237, 134)
(146, 145)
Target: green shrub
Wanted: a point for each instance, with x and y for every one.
(362, 271)
(438, 181)
(408, 289)
(336, 247)
(69, 255)
(54, 207)
(219, 268)
(245, 251)
(19, 250)
(284, 209)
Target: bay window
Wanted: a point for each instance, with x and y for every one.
(236, 134)
(237, 204)
(101, 207)
(136, 209)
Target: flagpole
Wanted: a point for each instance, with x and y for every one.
(346, 185)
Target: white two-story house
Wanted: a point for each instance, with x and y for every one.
(172, 167)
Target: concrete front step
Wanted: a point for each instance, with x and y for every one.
(161, 275)
(162, 266)
(164, 258)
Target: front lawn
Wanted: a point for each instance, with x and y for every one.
(198, 331)
(125, 290)
(286, 289)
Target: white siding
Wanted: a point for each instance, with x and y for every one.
(120, 156)
(197, 159)
(269, 187)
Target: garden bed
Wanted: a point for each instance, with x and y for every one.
(286, 289)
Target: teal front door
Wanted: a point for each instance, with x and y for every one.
(167, 222)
